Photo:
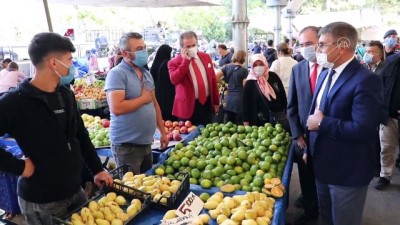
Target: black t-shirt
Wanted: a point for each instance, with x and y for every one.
(225, 59)
(234, 76)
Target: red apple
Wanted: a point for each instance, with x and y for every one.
(192, 128)
(183, 130)
(170, 129)
(188, 124)
(177, 137)
(175, 124)
(181, 123)
(105, 123)
(177, 128)
(168, 124)
(170, 137)
(175, 131)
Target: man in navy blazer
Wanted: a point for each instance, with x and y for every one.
(346, 109)
(301, 90)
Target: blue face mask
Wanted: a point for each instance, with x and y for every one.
(367, 58)
(140, 58)
(390, 42)
(66, 80)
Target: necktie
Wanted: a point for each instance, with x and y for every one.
(323, 107)
(200, 82)
(313, 78)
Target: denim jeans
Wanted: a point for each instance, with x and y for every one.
(42, 213)
(140, 158)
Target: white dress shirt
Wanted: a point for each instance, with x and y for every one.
(335, 76)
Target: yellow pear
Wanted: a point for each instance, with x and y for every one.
(120, 200)
(76, 216)
(221, 218)
(229, 222)
(250, 214)
(109, 216)
(93, 206)
(214, 213)
(238, 216)
(175, 182)
(210, 205)
(102, 222)
(131, 211)
(111, 196)
(77, 222)
(197, 221)
(205, 218)
(170, 214)
(123, 216)
(262, 221)
(249, 222)
(98, 215)
(117, 222)
(246, 203)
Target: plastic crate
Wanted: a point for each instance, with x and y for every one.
(129, 195)
(119, 172)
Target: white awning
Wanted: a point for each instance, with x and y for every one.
(139, 3)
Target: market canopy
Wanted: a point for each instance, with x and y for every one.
(139, 3)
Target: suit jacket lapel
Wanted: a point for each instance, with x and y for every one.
(306, 78)
(320, 81)
(346, 74)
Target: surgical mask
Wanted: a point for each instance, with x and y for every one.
(192, 52)
(308, 53)
(259, 70)
(140, 58)
(322, 59)
(390, 42)
(66, 80)
(367, 58)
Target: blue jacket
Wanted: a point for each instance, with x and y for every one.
(345, 146)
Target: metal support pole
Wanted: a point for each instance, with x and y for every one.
(48, 18)
(240, 21)
(277, 27)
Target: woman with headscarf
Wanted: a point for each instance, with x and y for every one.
(92, 61)
(164, 89)
(263, 95)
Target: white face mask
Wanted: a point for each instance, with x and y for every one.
(259, 70)
(322, 60)
(192, 52)
(308, 53)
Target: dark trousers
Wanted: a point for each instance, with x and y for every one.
(234, 118)
(307, 183)
(202, 113)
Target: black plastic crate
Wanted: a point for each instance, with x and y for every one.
(183, 189)
(128, 195)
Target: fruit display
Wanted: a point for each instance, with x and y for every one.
(253, 208)
(111, 209)
(175, 129)
(94, 90)
(246, 157)
(162, 189)
(98, 130)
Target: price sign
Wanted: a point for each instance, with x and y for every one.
(192, 204)
(179, 220)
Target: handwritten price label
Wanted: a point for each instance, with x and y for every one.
(177, 221)
(192, 204)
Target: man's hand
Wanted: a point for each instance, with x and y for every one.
(103, 176)
(305, 157)
(147, 95)
(314, 120)
(301, 142)
(163, 141)
(29, 168)
(185, 54)
(216, 108)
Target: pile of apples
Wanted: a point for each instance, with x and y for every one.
(82, 90)
(175, 129)
(98, 130)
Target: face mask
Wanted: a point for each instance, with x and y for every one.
(309, 53)
(390, 42)
(192, 52)
(66, 80)
(140, 58)
(259, 70)
(367, 58)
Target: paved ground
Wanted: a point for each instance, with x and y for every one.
(382, 207)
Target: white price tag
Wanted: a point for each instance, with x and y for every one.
(192, 204)
(179, 220)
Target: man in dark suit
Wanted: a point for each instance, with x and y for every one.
(301, 89)
(374, 57)
(196, 91)
(346, 109)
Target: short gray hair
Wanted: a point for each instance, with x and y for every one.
(342, 31)
(124, 41)
(186, 35)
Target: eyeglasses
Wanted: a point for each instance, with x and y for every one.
(324, 45)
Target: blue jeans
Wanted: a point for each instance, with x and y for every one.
(140, 158)
(42, 213)
(341, 205)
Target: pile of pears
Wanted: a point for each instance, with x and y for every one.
(160, 188)
(253, 208)
(107, 211)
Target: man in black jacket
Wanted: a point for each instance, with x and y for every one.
(42, 116)
(389, 131)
